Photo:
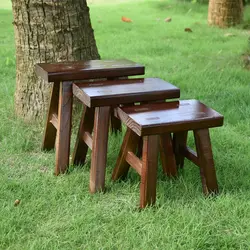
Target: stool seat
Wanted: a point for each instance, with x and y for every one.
(169, 117)
(154, 124)
(92, 69)
(98, 98)
(58, 124)
(107, 93)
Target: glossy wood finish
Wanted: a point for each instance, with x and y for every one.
(99, 117)
(60, 74)
(158, 119)
(93, 69)
(190, 154)
(134, 162)
(167, 155)
(99, 151)
(108, 93)
(88, 139)
(116, 125)
(179, 143)
(81, 145)
(169, 117)
(64, 128)
(129, 144)
(146, 168)
(149, 171)
(205, 156)
(139, 149)
(50, 130)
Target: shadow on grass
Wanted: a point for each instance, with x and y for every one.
(187, 186)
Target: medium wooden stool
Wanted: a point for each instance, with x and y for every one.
(98, 97)
(158, 121)
(58, 125)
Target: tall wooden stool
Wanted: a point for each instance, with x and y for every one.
(98, 97)
(58, 124)
(158, 121)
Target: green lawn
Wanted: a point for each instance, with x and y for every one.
(5, 4)
(59, 212)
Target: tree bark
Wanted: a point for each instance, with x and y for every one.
(47, 31)
(225, 13)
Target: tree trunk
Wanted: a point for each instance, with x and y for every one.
(47, 31)
(225, 13)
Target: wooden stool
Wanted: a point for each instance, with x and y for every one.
(99, 97)
(149, 121)
(58, 125)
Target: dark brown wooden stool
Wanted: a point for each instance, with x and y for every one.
(158, 121)
(58, 125)
(98, 97)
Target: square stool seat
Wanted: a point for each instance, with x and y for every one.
(92, 69)
(58, 124)
(116, 92)
(155, 123)
(98, 98)
(169, 117)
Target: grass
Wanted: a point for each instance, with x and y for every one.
(59, 212)
(5, 4)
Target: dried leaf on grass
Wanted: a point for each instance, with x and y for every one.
(188, 30)
(168, 19)
(126, 19)
(17, 202)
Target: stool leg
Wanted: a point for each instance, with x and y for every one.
(179, 142)
(129, 143)
(167, 155)
(116, 125)
(50, 131)
(99, 151)
(139, 148)
(86, 125)
(149, 170)
(205, 156)
(64, 127)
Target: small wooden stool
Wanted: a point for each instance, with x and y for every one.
(58, 125)
(149, 121)
(99, 97)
